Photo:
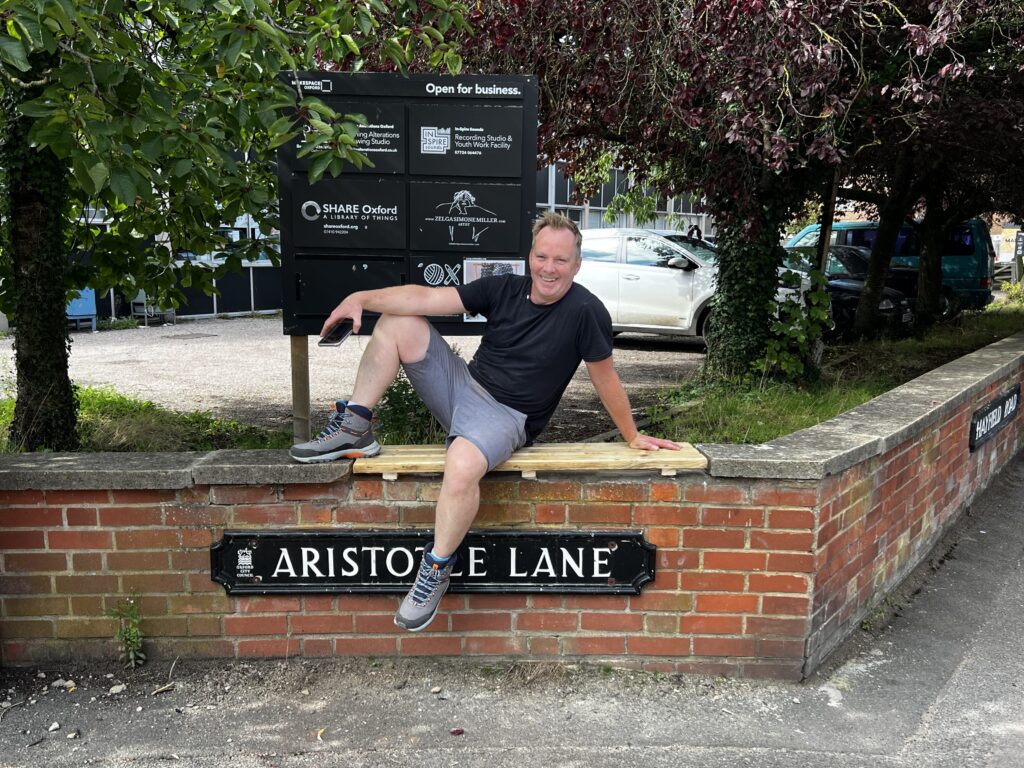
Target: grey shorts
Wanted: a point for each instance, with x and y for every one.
(462, 406)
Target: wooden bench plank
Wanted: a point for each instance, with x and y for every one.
(548, 457)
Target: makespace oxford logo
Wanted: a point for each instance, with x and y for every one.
(310, 210)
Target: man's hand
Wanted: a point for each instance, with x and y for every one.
(406, 300)
(613, 396)
(351, 307)
(644, 442)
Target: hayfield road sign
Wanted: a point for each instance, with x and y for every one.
(988, 421)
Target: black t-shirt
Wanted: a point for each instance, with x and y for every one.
(529, 352)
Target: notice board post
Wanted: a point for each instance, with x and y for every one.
(450, 197)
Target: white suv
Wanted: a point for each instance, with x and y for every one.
(651, 281)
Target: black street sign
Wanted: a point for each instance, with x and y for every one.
(319, 561)
(988, 421)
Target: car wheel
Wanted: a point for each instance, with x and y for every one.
(704, 324)
(949, 304)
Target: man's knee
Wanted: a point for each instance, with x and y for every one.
(464, 464)
(409, 333)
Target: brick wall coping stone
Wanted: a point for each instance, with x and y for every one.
(116, 471)
(810, 454)
(872, 428)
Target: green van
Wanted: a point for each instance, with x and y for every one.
(968, 264)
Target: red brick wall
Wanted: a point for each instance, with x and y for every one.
(732, 591)
(880, 518)
(754, 577)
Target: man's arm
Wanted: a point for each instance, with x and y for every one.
(418, 300)
(613, 396)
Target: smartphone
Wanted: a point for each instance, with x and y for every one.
(336, 335)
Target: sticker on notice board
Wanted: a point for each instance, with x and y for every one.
(467, 217)
(349, 213)
(462, 140)
(474, 269)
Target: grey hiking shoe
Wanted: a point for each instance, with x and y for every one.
(346, 436)
(420, 606)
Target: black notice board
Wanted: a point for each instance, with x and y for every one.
(450, 194)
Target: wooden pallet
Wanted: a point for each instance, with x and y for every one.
(394, 460)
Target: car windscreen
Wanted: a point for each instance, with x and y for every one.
(703, 251)
(846, 262)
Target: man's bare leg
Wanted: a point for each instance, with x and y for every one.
(457, 506)
(459, 500)
(349, 433)
(395, 340)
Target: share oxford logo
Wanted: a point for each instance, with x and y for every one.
(310, 210)
(435, 141)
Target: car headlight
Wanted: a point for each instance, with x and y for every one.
(885, 304)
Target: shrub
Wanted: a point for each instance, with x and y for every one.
(402, 417)
(1014, 292)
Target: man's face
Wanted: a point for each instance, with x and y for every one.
(553, 265)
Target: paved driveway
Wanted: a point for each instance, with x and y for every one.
(241, 368)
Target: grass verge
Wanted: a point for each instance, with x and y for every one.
(740, 412)
(108, 421)
(727, 412)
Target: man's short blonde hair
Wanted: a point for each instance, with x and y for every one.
(558, 221)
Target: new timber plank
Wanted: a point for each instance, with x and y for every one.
(547, 457)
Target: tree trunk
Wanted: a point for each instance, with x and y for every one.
(35, 207)
(748, 263)
(934, 227)
(891, 217)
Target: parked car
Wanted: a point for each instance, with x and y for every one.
(846, 272)
(968, 263)
(853, 261)
(651, 281)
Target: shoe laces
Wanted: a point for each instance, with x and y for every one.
(428, 580)
(333, 424)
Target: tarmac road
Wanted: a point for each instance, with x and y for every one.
(939, 687)
(240, 368)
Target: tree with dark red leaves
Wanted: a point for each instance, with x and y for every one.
(747, 104)
(941, 136)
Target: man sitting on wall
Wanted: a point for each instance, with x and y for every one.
(539, 328)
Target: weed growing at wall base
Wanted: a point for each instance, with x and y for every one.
(129, 633)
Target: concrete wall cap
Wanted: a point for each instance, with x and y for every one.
(264, 467)
(122, 471)
(810, 454)
(96, 471)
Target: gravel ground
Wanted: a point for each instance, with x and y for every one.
(241, 368)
